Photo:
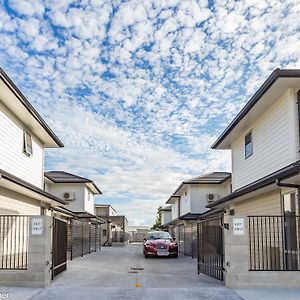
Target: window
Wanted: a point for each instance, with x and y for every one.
(27, 144)
(104, 232)
(248, 145)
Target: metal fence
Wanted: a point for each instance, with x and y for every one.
(210, 247)
(190, 239)
(14, 235)
(83, 238)
(274, 243)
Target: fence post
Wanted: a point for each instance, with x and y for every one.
(90, 238)
(81, 239)
(71, 238)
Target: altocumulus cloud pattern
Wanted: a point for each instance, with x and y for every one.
(139, 90)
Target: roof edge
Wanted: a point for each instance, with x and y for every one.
(283, 173)
(29, 186)
(277, 73)
(14, 89)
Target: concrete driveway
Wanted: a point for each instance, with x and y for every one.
(108, 274)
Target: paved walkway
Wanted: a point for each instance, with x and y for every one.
(108, 275)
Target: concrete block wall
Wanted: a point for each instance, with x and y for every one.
(237, 274)
(38, 273)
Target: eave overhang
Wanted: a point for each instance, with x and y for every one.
(276, 84)
(16, 102)
(190, 216)
(172, 199)
(20, 186)
(268, 183)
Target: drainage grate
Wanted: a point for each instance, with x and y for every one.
(137, 269)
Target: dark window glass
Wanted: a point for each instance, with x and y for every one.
(248, 145)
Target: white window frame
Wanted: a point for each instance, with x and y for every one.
(27, 143)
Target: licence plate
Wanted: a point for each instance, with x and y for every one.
(162, 252)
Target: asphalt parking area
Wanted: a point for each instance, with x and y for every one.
(124, 273)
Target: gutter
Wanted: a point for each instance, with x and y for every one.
(292, 185)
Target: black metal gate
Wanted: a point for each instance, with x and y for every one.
(210, 247)
(59, 247)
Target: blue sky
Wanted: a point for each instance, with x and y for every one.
(139, 90)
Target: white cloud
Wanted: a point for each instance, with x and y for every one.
(28, 7)
(138, 91)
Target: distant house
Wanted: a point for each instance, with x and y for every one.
(189, 202)
(262, 244)
(78, 191)
(116, 230)
(166, 216)
(85, 228)
(138, 233)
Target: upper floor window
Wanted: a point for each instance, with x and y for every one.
(248, 145)
(27, 147)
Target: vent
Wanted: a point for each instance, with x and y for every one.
(211, 197)
(69, 196)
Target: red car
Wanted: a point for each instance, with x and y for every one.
(160, 243)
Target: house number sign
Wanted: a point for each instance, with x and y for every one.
(36, 226)
(238, 226)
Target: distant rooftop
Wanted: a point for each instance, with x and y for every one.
(64, 177)
(210, 178)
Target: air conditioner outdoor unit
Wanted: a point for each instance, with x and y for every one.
(69, 196)
(211, 197)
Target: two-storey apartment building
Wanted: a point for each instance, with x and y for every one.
(262, 212)
(24, 136)
(26, 225)
(188, 203)
(165, 215)
(78, 191)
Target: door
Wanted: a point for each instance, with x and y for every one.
(59, 247)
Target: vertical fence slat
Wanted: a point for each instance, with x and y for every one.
(13, 242)
(274, 243)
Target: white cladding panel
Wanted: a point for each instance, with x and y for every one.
(274, 143)
(89, 201)
(296, 125)
(166, 217)
(12, 158)
(199, 195)
(185, 201)
(58, 190)
(175, 210)
(12, 203)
